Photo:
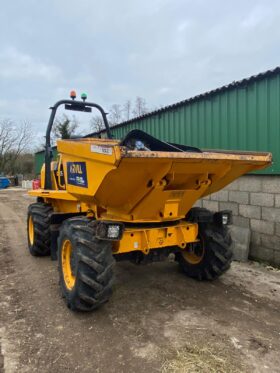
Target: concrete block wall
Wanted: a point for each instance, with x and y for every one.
(255, 204)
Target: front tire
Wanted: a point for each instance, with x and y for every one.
(209, 258)
(85, 265)
(38, 228)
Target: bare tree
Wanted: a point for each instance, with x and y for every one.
(115, 114)
(96, 123)
(119, 113)
(14, 140)
(24, 165)
(140, 107)
(127, 109)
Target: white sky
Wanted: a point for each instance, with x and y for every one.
(162, 50)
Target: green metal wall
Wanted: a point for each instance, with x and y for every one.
(246, 118)
(40, 159)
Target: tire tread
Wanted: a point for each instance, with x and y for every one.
(217, 257)
(41, 215)
(94, 266)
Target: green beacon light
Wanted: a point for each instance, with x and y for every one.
(83, 96)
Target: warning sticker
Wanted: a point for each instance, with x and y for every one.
(101, 149)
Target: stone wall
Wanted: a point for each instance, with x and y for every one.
(255, 204)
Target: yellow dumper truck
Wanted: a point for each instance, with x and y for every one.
(106, 200)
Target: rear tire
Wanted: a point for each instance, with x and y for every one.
(38, 229)
(215, 256)
(86, 274)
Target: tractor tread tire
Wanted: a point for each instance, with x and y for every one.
(41, 216)
(217, 257)
(94, 266)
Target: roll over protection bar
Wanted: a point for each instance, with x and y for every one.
(74, 106)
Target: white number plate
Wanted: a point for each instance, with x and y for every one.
(101, 149)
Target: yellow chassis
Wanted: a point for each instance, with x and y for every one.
(134, 239)
(146, 239)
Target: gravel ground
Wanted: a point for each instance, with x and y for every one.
(158, 320)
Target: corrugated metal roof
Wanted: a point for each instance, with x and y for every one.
(43, 150)
(235, 84)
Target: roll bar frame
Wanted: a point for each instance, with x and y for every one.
(74, 106)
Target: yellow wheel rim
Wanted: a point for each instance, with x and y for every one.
(194, 253)
(31, 232)
(66, 256)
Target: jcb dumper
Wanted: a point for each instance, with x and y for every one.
(106, 200)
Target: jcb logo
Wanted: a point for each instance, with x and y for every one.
(76, 169)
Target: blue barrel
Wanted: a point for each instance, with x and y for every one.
(4, 182)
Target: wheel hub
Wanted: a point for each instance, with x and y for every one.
(31, 232)
(194, 252)
(68, 264)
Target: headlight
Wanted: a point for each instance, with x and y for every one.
(223, 217)
(113, 231)
(106, 230)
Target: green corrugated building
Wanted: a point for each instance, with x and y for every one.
(243, 115)
(40, 159)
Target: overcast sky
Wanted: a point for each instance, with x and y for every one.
(162, 50)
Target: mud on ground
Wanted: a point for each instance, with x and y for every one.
(158, 320)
